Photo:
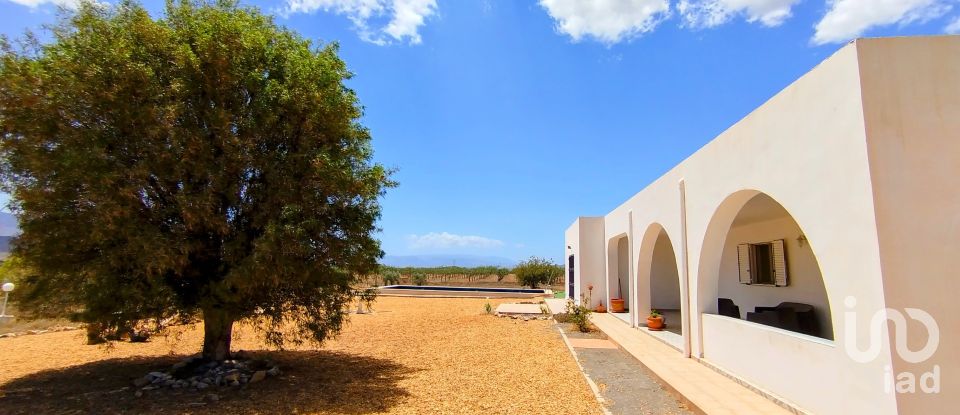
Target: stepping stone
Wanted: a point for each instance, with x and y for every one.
(519, 309)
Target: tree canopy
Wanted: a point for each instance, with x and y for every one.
(206, 162)
(536, 271)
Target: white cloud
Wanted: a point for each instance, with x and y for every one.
(443, 240)
(953, 27)
(406, 16)
(710, 13)
(847, 19)
(33, 4)
(608, 21)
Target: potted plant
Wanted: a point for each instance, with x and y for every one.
(616, 304)
(600, 308)
(655, 321)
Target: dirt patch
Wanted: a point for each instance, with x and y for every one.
(412, 356)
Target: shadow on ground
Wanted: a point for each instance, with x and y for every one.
(312, 382)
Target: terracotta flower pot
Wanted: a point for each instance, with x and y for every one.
(601, 309)
(616, 305)
(655, 323)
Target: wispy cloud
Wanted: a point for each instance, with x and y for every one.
(711, 13)
(446, 240)
(847, 19)
(406, 16)
(609, 21)
(953, 27)
(614, 21)
(69, 4)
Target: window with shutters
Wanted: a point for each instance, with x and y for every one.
(763, 263)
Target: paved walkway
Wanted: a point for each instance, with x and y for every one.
(556, 305)
(704, 388)
(625, 386)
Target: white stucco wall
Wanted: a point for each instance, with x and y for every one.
(911, 95)
(585, 239)
(807, 148)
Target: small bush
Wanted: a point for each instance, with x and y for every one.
(488, 308)
(502, 273)
(536, 271)
(419, 278)
(579, 315)
(390, 277)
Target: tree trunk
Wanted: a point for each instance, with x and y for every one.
(217, 331)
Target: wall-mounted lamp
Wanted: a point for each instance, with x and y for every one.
(569, 247)
(802, 239)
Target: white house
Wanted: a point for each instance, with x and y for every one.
(837, 199)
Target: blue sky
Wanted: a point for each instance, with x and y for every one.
(508, 119)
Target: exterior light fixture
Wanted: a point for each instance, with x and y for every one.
(802, 239)
(6, 295)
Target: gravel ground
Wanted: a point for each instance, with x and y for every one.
(413, 356)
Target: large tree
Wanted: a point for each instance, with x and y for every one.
(207, 163)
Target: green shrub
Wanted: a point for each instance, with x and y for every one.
(390, 277)
(501, 273)
(419, 278)
(579, 315)
(536, 271)
(488, 308)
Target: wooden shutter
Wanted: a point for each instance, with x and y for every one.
(743, 258)
(779, 263)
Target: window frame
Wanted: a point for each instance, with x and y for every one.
(748, 263)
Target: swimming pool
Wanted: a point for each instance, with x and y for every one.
(445, 291)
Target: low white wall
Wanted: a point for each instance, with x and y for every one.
(802, 370)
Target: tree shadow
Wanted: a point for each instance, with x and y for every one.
(311, 382)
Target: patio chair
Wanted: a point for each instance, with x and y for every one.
(767, 318)
(798, 317)
(726, 307)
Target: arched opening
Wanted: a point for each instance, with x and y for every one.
(618, 277)
(757, 265)
(665, 284)
(659, 285)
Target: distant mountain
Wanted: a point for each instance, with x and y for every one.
(8, 228)
(444, 260)
(8, 224)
